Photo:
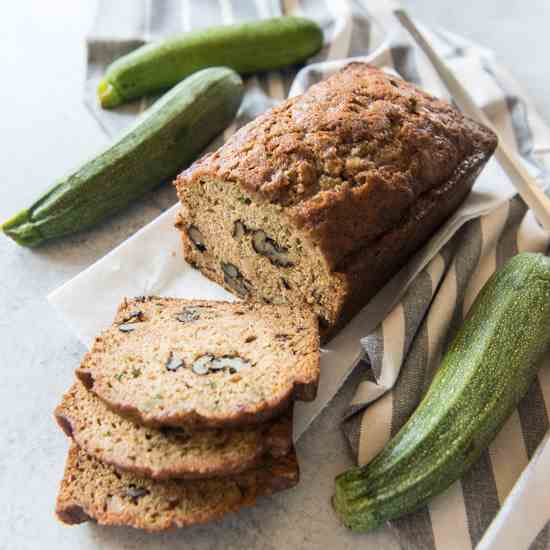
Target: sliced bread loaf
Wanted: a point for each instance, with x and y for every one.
(93, 490)
(169, 452)
(322, 199)
(203, 364)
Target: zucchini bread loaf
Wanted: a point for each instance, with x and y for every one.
(322, 199)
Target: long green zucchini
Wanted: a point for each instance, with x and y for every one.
(247, 48)
(487, 370)
(166, 138)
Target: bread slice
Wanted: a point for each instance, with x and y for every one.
(171, 452)
(203, 364)
(93, 490)
(321, 200)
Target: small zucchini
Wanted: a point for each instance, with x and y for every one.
(487, 370)
(247, 48)
(166, 138)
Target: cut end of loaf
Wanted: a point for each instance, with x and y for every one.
(254, 251)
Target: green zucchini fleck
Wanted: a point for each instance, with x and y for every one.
(246, 47)
(485, 373)
(165, 139)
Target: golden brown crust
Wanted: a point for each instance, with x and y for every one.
(167, 454)
(368, 271)
(349, 158)
(281, 371)
(93, 490)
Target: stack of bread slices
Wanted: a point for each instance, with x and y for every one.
(182, 412)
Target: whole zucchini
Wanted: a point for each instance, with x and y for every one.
(246, 48)
(166, 138)
(487, 370)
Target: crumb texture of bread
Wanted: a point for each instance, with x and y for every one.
(203, 364)
(319, 201)
(170, 452)
(93, 490)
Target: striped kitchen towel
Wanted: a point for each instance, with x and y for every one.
(403, 354)
(410, 323)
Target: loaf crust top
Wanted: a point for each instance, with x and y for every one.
(353, 152)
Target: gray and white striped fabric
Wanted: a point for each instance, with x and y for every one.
(419, 314)
(411, 341)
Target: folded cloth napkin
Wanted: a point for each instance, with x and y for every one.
(410, 323)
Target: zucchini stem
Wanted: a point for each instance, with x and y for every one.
(22, 229)
(108, 95)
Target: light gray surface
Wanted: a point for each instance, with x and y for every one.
(46, 131)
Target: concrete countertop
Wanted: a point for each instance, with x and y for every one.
(45, 130)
